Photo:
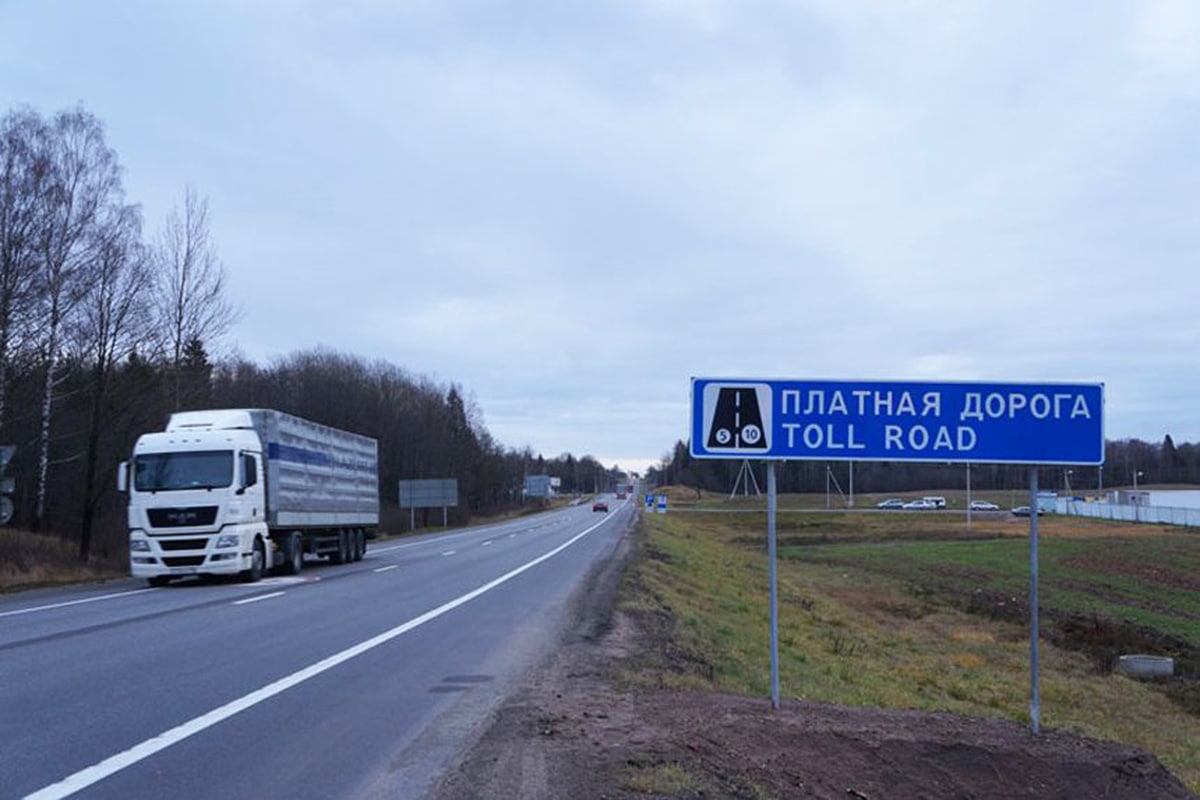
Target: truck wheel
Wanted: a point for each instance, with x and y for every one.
(295, 555)
(258, 562)
(159, 580)
(360, 544)
(339, 556)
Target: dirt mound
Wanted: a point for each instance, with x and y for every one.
(739, 747)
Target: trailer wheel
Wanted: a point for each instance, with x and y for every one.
(362, 544)
(339, 556)
(356, 545)
(258, 561)
(295, 555)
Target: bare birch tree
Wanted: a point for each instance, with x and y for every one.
(22, 168)
(83, 179)
(109, 323)
(190, 298)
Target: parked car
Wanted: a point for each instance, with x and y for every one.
(920, 505)
(937, 501)
(983, 505)
(891, 502)
(1023, 511)
(600, 505)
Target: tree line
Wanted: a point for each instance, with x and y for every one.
(1126, 462)
(104, 331)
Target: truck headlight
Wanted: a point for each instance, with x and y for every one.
(139, 546)
(228, 540)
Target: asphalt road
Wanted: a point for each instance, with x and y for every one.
(352, 681)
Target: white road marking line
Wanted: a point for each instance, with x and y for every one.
(289, 581)
(74, 602)
(442, 538)
(260, 597)
(449, 552)
(385, 569)
(113, 764)
(488, 543)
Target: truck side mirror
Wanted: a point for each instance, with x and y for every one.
(123, 476)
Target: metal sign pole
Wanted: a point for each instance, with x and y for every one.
(773, 582)
(968, 495)
(1035, 697)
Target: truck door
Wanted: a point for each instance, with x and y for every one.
(251, 487)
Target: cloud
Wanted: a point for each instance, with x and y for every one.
(1166, 36)
(573, 210)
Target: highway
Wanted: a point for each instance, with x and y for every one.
(354, 681)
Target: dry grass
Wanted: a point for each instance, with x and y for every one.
(852, 633)
(29, 559)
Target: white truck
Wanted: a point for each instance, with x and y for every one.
(241, 491)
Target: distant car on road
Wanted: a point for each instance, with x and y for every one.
(1023, 511)
(920, 505)
(891, 502)
(983, 505)
(600, 505)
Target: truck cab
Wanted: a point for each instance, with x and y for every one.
(197, 503)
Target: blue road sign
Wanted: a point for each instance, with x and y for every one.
(1022, 423)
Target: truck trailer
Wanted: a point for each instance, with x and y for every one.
(241, 491)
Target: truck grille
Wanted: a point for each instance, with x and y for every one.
(182, 544)
(182, 517)
(183, 561)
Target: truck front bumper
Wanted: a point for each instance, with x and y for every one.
(178, 557)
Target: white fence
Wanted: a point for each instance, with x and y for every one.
(1163, 515)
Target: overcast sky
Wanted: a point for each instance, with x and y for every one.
(570, 208)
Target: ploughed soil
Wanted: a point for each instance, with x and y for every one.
(572, 732)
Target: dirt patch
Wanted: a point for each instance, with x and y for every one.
(1101, 638)
(571, 733)
(1148, 574)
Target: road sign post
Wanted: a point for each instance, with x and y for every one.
(1035, 692)
(437, 493)
(823, 420)
(773, 580)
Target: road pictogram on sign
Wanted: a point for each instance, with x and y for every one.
(739, 417)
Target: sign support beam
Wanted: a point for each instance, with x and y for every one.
(1035, 695)
(772, 579)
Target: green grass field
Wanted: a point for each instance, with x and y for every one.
(916, 611)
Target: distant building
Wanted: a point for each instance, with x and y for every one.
(1163, 498)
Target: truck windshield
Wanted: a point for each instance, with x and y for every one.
(158, 472)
